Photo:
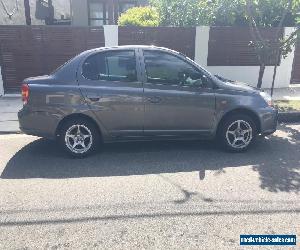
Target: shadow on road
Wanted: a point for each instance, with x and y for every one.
(146, 216)
(276, 159)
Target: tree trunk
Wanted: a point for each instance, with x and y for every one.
(261, 75)
(278, 56)
(50, 19)
(273, 80)
(27, 12)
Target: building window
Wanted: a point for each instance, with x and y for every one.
(125, 6)
(98, 13)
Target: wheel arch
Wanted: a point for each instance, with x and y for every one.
(243, 111)
(76, 116)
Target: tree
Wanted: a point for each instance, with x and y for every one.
(11, 13)
(27, 12)
(269, 13)
(265, 49)
(221, 12)
(251, 13)
(224, 12)
(284, 46)
(180, 12)
(140, 16)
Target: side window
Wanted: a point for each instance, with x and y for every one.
(94, 67)
(164, 68)
(111, 66)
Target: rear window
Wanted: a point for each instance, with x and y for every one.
(63, 65)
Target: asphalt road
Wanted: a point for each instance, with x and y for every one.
(148, 195)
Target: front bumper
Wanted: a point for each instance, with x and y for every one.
(268, 120)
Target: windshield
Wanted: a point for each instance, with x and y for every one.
(223, 79)
(203, 69)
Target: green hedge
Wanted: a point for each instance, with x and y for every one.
(139, 16)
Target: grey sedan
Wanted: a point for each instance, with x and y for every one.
(141, 93)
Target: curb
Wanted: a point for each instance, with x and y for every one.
(289, 116)
(11, 96)
(17, 132)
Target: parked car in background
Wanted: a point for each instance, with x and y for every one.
(141, 93)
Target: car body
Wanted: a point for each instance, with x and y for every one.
(140, 93)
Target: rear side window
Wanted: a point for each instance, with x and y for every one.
(111, 66)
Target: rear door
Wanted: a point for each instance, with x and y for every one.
(179, 97)
(111, 84)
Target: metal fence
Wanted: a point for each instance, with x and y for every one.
(229, 46)
(176, 38)
(38, 50)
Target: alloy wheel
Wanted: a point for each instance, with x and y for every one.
(239, 134)
(78, 139)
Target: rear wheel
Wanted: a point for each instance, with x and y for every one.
(237, 133)
(79, 137)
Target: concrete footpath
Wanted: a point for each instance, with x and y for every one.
(10, 105)
(286, 94)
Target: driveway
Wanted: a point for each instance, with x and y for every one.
(156, 195)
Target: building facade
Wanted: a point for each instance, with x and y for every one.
(12, 12)
(100, 12)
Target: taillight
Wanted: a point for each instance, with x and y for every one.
(25, 93)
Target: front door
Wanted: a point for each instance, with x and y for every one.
(110, 84)
(179, 98)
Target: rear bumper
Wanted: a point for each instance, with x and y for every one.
(37, 123)
(268, 120)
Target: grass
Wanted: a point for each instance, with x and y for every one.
(285, 106)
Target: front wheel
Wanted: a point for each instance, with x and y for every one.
(79, 137)
(237, 133)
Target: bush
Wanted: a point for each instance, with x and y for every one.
(139, 16)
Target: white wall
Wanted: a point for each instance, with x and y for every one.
(111, 35)
(247, 74)
(79, 13)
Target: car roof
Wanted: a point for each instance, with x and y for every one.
(152, 47)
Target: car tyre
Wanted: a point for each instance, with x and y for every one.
(237, 133)
(79, 137)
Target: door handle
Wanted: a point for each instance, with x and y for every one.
(155, 99)
(93, 98)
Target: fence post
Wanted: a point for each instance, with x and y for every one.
(111, 35)
(201, 45)
(27, 12)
